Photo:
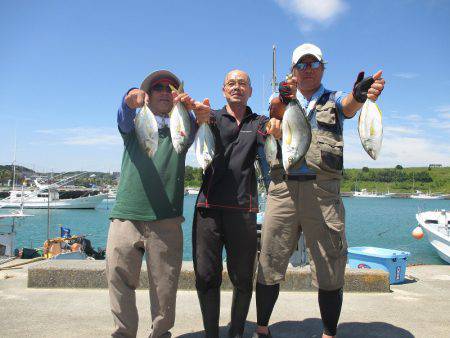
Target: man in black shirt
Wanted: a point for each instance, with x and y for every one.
(227, 204)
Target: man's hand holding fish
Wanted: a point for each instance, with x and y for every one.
(136, 98)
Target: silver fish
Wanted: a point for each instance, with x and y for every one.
(271, 150)
(296, 131)
(204, 146)
(370, 128)
(181, 128)
(147, 130)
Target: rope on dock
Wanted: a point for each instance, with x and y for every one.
(37, 259)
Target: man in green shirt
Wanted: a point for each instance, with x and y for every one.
(148, 212)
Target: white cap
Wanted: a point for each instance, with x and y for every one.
(306, 49)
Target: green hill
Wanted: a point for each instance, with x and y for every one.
(398, 179)
(437, 180)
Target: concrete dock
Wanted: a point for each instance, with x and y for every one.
(417, 308)
(91, 274)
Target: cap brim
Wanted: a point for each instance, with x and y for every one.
(306, 54)
(157, 76)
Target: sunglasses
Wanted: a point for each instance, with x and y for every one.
(159, 87)
(304, 65)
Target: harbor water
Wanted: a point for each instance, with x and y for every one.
(379, 222)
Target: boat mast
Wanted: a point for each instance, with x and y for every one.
(274, 71)
(48, 222)
(14, 162)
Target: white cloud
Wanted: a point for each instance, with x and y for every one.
(413, 118)
(400, 130)
(444, 109)
(82, 136)
(397, 149)
(435, 123)
(407, 76)
(310, 13)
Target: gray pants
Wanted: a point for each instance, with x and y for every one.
(127, 241)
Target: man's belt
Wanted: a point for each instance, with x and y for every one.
(300, 178)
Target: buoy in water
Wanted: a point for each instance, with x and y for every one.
(417, 233)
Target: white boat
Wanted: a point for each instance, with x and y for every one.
(436, 224)
(49, 199)
(365, 193)
(426, 196)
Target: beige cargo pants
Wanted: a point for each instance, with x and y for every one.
(162, 240)
(315, 208)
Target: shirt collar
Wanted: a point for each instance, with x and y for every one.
(309, 105)
(224, 111)
(163, 121)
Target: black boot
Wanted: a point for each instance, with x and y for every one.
(239, 311)
(210, 306)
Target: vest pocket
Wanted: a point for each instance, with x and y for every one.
(331, 154)
(331, 160)
(325, 116)
(327, 120)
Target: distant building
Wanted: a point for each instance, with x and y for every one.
(435, 166)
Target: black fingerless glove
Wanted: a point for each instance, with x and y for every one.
(284, 92)
(361, 87)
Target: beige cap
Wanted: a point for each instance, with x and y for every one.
(158, 76)
(306, 49)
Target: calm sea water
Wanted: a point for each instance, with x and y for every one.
(384, 222)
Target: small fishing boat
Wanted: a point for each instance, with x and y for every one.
(365, 193)
(436, 224)
(8, 237)
(426, 196)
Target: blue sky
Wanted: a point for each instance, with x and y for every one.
(65, 65)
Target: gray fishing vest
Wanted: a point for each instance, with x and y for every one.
(325, 154)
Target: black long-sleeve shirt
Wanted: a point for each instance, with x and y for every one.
(230, 180)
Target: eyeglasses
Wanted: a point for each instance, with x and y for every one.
(159, 87)
(240, 83)
(304, 65)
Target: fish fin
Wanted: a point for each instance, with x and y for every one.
(379, 110)
(179, 90)
(173, 89)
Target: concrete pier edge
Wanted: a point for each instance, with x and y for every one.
(91, 275)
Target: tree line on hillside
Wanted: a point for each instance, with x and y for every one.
(193, 176)
(387, 175)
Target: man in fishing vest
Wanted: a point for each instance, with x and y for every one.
(148, 212)
(225, 214)
(308, 199)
